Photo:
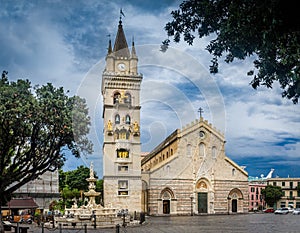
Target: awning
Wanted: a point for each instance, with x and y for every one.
(21, 203)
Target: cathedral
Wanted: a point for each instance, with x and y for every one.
(186, 174)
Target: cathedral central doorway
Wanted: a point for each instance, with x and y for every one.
(202, 202)
(166, 206)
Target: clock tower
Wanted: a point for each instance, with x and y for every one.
(121, 85)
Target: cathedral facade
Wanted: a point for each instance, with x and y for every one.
(188, 173)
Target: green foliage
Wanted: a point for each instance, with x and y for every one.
(72, 184)
(272, 194)
(37, 126)
(75, 179)
(241, 28)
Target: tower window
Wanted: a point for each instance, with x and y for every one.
(127, 98)
(117, 119)
(123, 187)
(127, 119)
(117, 96)
(123, 168)
(122, 153)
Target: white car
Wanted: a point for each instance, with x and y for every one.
(296, 211)
(282, 210)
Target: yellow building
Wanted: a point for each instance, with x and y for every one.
(290, 188)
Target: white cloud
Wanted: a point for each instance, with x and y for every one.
(60, 41)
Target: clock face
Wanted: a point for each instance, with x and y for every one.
(202, 134)
(121, 66)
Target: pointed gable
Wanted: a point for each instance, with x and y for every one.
(121, 46)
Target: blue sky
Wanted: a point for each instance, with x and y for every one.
(65, 42)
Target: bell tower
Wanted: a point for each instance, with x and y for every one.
(121, 84)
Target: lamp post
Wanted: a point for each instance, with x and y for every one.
(192, 198)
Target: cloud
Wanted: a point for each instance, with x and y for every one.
(65, 42)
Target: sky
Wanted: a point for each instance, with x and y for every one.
(65, 42)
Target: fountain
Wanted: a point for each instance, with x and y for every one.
(93, 215)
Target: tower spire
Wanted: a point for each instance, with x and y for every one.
(121, 46)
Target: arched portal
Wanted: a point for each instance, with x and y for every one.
(235, 201)
(202, 196)
(167, 200)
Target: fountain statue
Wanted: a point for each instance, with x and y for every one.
(93, 215)
(92, 194)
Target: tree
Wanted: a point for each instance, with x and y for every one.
(37, 126)
(75, 179)
(272, 194)
(269, 29)
(73, 183)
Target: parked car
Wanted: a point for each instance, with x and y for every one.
(269, 210)
(296, 211)
(291, 209)
(282, 210)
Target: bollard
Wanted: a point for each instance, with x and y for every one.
(18, 227)
(42, 227)
(142, 217)
(117, 228)
(85, 228)
(60, 228)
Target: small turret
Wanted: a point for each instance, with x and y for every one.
(133, 59)
(109, 50)
(110, 62)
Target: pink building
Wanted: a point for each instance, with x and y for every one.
(256, 185)
(256, 200)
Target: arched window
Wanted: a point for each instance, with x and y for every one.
(201, 150)
(233, 171)
(168, 169)
(117, 96)
(127, 119)
(171, 151)
(127, 98)
(189, 150)
(214, 152)
(117, 119)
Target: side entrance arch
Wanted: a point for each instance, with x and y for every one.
(235, 201)
(168, 203)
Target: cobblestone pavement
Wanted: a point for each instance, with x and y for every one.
(260, 223)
